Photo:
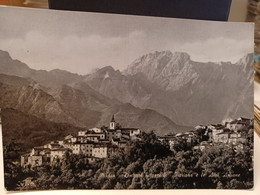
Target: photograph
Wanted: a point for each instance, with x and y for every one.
(110, 101)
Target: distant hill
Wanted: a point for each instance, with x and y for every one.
(29, 97)
(51, 78)
(30, 131)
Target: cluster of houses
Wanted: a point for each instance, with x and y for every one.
(98, 143)
(94, 143)
(231, 132)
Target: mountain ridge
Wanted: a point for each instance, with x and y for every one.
(81, 108)
(179, 84)
(168, 83)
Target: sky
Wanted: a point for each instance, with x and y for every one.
(81, 42)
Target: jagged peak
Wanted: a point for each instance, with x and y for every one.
(162, 54)
(246, 62)
(156, 54)
(157, 61)
(245, 58)
(182, 55)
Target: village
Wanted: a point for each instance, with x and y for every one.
(95, 143)
(231, 132)
(101, 143)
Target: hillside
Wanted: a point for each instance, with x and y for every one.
(79, 106)
(30, 131)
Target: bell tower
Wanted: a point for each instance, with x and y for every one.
(112, 124)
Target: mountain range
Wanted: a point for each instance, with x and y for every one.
(161, 91)
(187, 92)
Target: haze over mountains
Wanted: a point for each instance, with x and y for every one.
(162, 91)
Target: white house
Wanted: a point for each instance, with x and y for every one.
(99, 151)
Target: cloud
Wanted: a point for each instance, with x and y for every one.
(74, 53)
(218, 49)
(81, 54)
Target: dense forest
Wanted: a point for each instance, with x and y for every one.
(146, 164)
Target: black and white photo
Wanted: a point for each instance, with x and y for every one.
(109, 101)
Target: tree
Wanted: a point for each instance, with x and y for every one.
(118, 186)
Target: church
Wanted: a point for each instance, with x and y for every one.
(115, 131)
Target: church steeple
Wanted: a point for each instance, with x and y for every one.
(112, 123)
(113, 118)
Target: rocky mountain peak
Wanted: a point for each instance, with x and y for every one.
(246, 62)
(104, 73)
(245, 65)
(154, 63)
(245, 59)
(167, 69)
(181, 56)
